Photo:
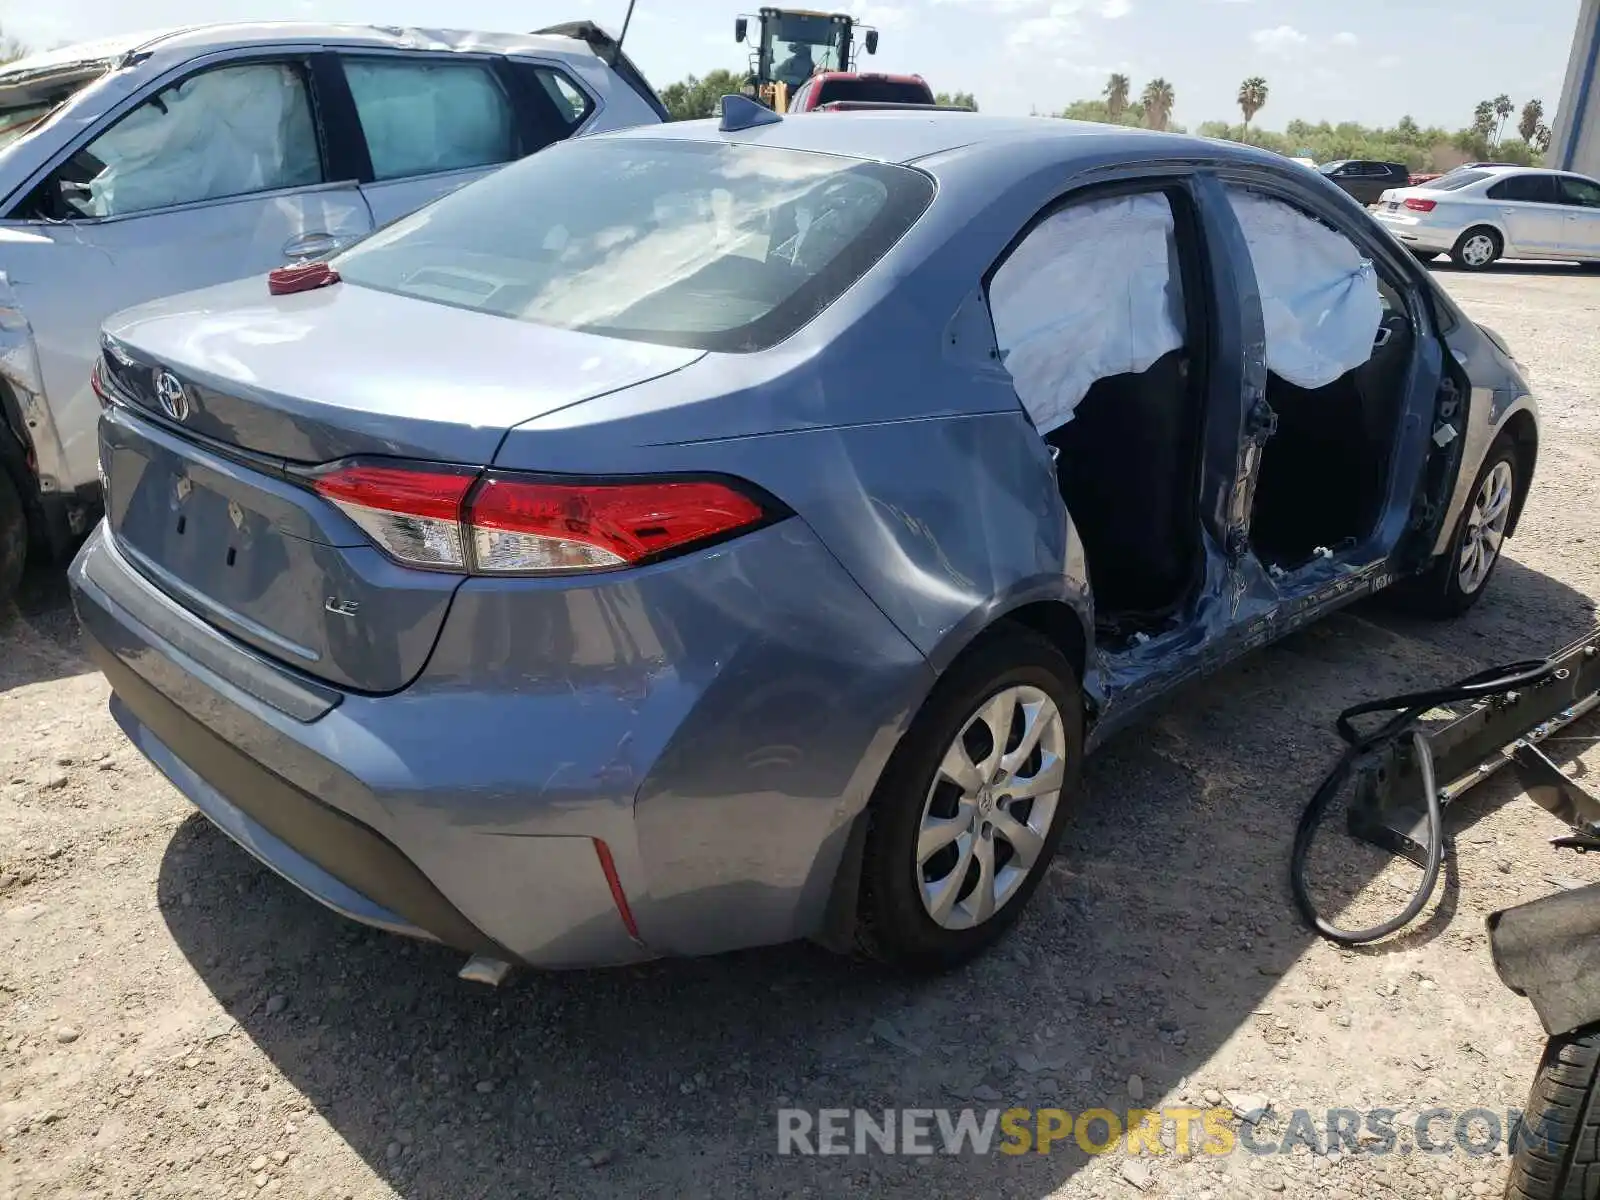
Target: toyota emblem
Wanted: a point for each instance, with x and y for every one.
(174, 400)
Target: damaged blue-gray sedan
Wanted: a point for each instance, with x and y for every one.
(716, 534)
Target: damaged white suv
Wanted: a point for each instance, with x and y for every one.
(150, 165)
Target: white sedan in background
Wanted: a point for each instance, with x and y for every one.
(1480, 214)
(159, 163)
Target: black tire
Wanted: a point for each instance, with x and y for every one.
(1437, 592)
(1555, 1155)
(1463, 257)
(893, 924)
(13, 538)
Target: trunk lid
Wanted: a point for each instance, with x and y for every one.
(205, 492)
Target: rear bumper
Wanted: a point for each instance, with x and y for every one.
(340, 861)
(1416, 233)
(717, 723)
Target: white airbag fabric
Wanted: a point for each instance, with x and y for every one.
(227, 132)
(1092, 291)
(420, 118)
(1319, 296)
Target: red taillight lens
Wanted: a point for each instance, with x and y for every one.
(1416, 205)
(526, 525)
(414, 514)
(434, 517)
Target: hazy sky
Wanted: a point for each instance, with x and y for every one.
(1364, 60)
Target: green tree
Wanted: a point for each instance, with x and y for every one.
(1483, 118)
(956, 100)
(1099, 112)
(1158, 100)
(1503, 108)
(1116, 94)
(1532, 117)
(1252, 99)
(694, 97)
(11, 48)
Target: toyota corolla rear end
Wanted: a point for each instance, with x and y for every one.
(538, 711)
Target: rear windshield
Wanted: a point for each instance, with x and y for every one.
(1456, 179)
(874, 91)
(697, 244)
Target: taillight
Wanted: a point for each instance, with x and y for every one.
(413, 514)
(98, 383)
(1416, 205)
(507, 524)
(525, 525)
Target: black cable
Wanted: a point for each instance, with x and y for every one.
(1407, 708)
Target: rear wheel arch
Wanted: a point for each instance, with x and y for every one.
(1060, 624)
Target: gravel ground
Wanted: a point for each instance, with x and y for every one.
(176, 1021)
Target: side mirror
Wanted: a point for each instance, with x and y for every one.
(872, 41)
(740, 27)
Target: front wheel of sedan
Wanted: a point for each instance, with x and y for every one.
(1459, 577)
(969, 811)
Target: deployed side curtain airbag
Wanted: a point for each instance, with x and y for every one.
(1319, 295)
(420, 118)
(1093, 291)
(226, 132)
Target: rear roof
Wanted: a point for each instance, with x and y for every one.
(906, 135)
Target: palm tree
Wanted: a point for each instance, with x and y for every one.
(1483, 118)
(1252, 99)
(1158, 100)
(1503, 108)
(1116, 94)
(1532, 115)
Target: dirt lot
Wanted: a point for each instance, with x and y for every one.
(176, 1021)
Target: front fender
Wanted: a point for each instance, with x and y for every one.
(24, 409)
(1549, 951)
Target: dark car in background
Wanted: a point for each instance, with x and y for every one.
(1364, 179)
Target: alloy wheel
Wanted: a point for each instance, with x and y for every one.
(1478, 250)
(990, 807)
(1486, 528)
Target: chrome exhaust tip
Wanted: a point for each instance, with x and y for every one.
(482, 969)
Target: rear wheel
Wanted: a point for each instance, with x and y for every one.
(971, 807)
(13, 537)
(1555, 1157)
(1459, 576)
(1476, 249)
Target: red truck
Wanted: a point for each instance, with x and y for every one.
(837, 91)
